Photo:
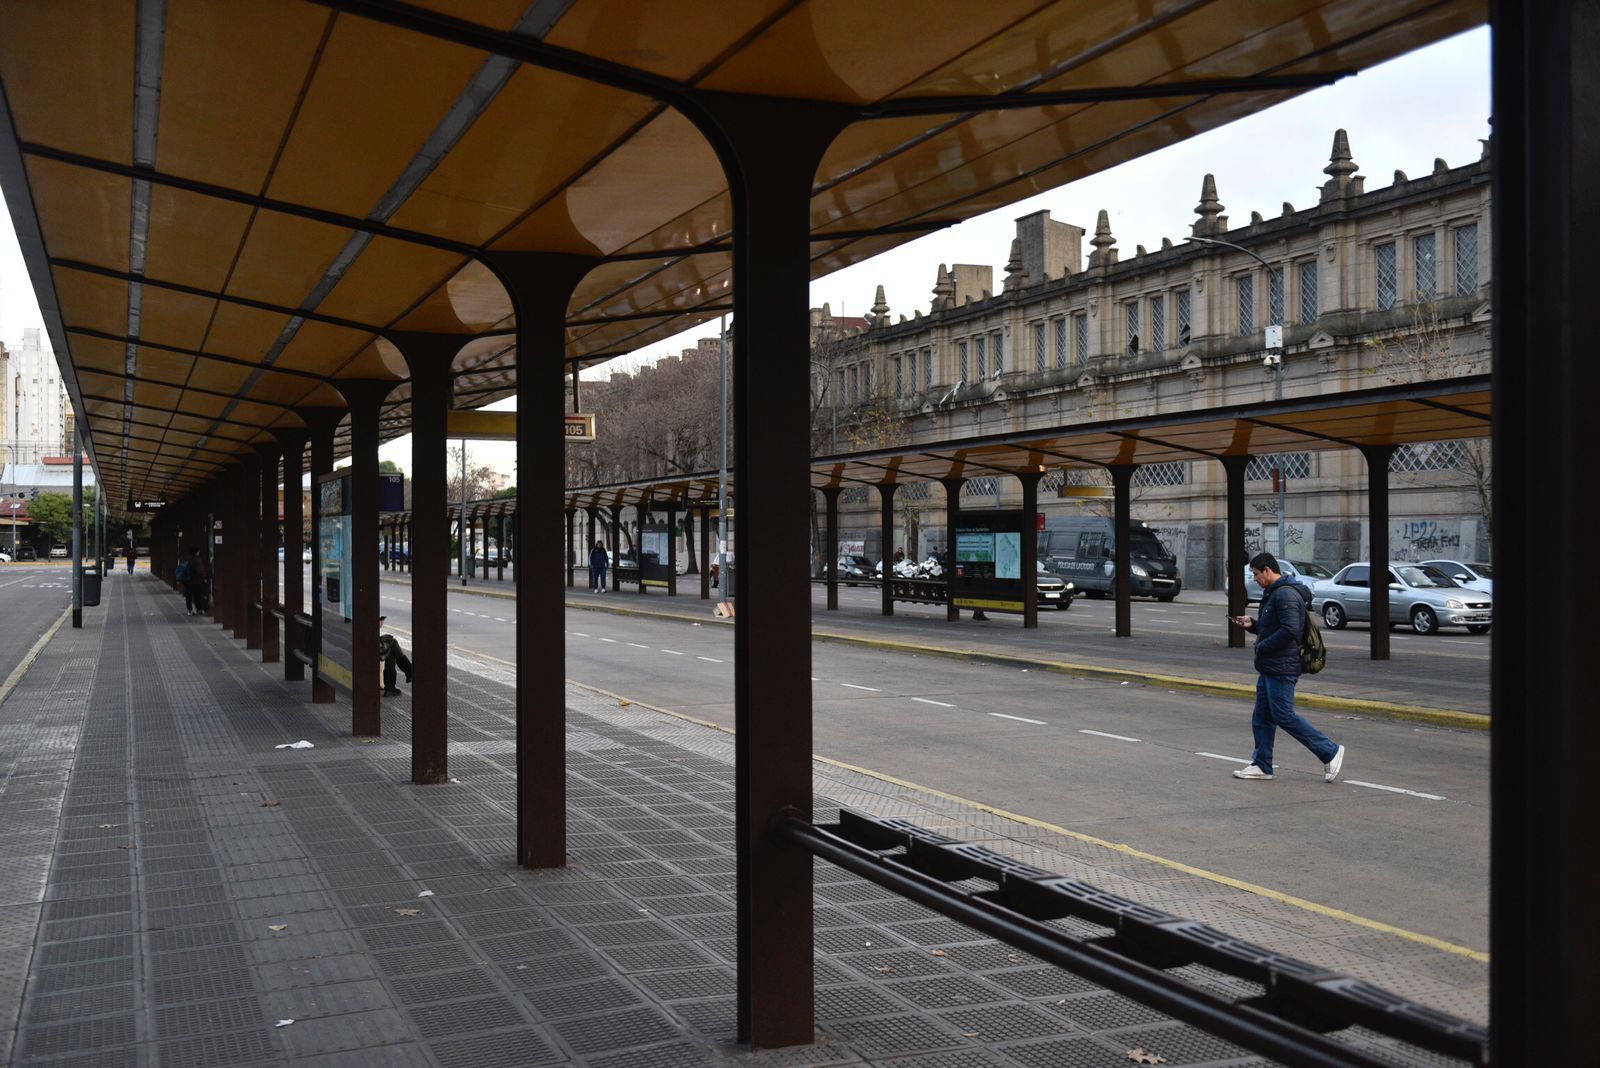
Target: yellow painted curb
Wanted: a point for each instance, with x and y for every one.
(1118, 847)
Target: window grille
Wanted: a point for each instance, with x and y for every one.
(1308, 292)
(979, 487)
(1294, 465)
(1158, 322)
(1277, 312)
(1466, 260)
(853, 495)
(868, 373)
(962, 361)
(1383, 259)
(999, 355)
(1430, 456)
(1183, 317)
(838, 389)
(855, 384)
(1079, 476)
(1427, 268)
(1246, 284)
(1052, 481)
(1061, 343)
(916, 491)
(1080, 328)
(927, 368)
(983, 348)
(899, 378)
(1132, 313)
(1168, 474)
(1041, 355)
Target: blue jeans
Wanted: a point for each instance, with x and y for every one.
(1274, 709)
(600, 580)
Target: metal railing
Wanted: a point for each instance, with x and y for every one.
(1290, 1022)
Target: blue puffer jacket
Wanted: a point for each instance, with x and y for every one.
(1279, 626)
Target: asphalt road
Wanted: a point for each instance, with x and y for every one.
(32, 597)
(1402, 838)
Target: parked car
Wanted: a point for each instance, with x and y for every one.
(5, 557)
(1423, 596)
(1312, 570)
(1054, 591)
(26, 552)
(59, 552)
(1305, 572)
(1477, 576)
(855, 569)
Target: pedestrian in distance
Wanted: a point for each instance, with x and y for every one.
(191, 575)
(1279, 628)
(129, 553)
(599, 564)
(394, 658)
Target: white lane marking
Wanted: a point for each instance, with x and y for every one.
(1019, 719)
(1393, 790)
(1459, 641)
(709, 659)
(579, 634)
(636, 645)
(853, 686)
(815, 679)
(497, 619)
(1161, 610)
(1229, 759)
(1208, 624)
(930, 701)
(672, 652)
(1103, 734)
(613, 641)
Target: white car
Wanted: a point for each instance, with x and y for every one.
(5, 557)
(1478, 577)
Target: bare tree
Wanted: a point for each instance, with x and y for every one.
(480, 477)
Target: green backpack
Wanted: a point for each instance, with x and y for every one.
(1313, 653)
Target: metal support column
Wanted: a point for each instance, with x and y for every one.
(1122, 557)
(641, 514)
(1030, 547)
(771, 149)
(77, 531)
(572, 556)
(952, 516)
(540, 286)
(886, 491)
(323, 423)
(705, 554)
(615, 541)
(672, 550)
(504, 549)
(1234, 554)
(1377, 457)
(293, 445)
(830, 543)
(429, 357)
(365, 398)
(1543, 934)
(267, 554)
(246, 494)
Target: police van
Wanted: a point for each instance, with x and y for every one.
(1082, 548)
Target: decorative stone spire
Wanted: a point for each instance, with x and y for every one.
(1341, 171)
(1016, 277)
(880, 309)
(1105, 252)
(1209, 209)
(944, 289)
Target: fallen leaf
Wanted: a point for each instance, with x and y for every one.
(624, 704)
(426, 893)
(408, 912)
(277, 927)
(939, 953)
(884, 969)
(1138, 1055)
(284, 1023)
(107, 826)
(271, 804)
(1012, 957)
(369, 741)
(301, 744)
(971, 1034)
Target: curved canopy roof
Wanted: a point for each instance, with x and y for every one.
(227, 205)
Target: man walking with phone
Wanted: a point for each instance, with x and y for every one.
(1278, 631)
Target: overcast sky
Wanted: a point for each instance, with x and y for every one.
(1433, 103)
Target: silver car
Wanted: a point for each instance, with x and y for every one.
(1423, 596)
(1292, 571)
(1478, 577)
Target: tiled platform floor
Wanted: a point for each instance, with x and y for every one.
(172, 886)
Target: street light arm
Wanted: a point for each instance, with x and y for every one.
(1238, 248)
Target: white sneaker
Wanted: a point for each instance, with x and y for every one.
(1330, 770)
(1252, 772)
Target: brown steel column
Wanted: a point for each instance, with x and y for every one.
(1377, 457)
(429, 357)
(1122, 556)
(705, 554)
(886, 535)
(771, 149)
(572, 556)
(293, 444)
(830, 543)
(952, 515)
(267, 581)
(615, 539)
(1030, 547)
(247, 568)
(505, 545)
(672, 550)
(323, 424)
(1234, 554)
(365, 397)
(540, 285)
(484, 520)
(221, 555)
(642, 515)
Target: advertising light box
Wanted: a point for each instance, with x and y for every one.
(987, 570)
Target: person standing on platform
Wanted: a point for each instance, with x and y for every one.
(599, 564)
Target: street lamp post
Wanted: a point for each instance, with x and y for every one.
(14, 506)
(1275, 358)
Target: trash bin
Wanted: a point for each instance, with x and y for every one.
(91, 589)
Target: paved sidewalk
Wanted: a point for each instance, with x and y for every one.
(173, 887)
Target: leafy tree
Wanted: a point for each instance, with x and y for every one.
(52, 514)
(389, 467)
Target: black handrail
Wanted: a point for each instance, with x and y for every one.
(1302, 1001)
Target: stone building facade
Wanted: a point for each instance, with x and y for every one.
(1370, 288)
